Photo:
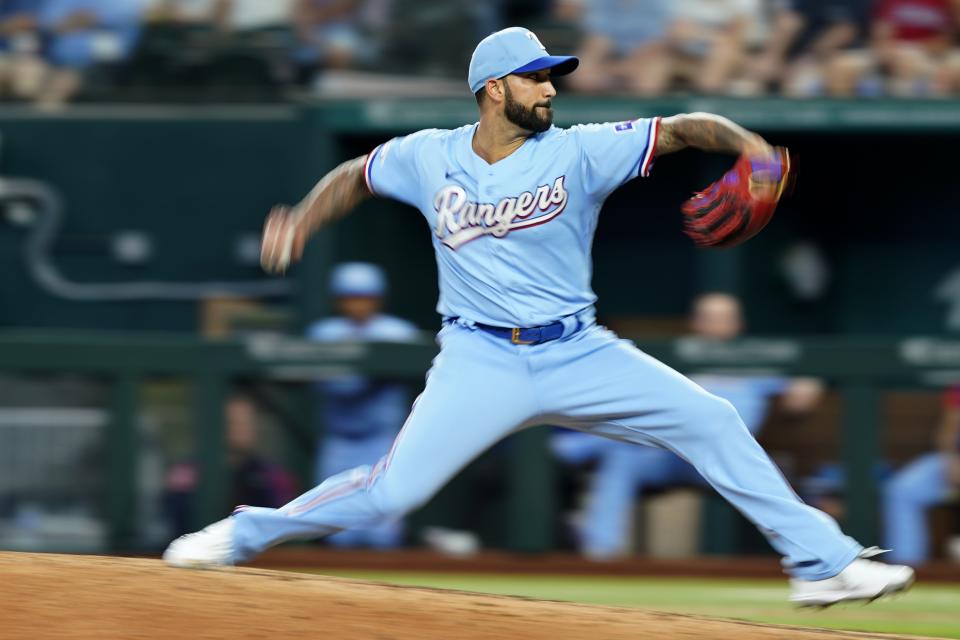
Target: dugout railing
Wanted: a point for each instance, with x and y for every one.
(859, 368)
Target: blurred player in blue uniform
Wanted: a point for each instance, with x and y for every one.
(512, 203)
(360, 416)
(928, 481)
(625, 471)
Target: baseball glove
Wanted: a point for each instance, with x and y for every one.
(738, 205)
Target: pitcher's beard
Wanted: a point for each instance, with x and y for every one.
(528, 119)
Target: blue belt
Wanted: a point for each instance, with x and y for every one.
(533, 335)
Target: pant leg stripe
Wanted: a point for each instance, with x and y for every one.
(337, 492)
(396, 440)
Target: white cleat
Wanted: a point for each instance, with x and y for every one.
(862, 580)
(210, 547)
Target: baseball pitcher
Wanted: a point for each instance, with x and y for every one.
(512, 202)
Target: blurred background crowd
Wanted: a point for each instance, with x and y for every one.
(52, 51)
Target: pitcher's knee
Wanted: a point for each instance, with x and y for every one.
(711, 415)
(394, 503)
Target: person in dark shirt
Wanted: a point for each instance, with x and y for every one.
(800, 55)
(253, 478)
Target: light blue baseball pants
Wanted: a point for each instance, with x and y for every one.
(339, 454)
(482, 388)
(906, 497)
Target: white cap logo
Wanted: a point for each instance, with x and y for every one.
(533, 36)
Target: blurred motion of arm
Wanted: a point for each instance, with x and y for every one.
(287, 229)
(708, 132)
(334, 196)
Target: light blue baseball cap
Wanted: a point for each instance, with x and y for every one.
(513, 50)
(357, 279)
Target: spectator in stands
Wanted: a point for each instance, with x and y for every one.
(708, 42)
(329, 36)
(826, 487)
(912, 40)
(801, 53)
(624, 46)
(253, 479)
(909, 51)
(181, 39)
(928, 481)
(82, 34)
(22, 68)
(257, 38)
(251, 16)
(624, 470)
(187, 12)
(360, 416)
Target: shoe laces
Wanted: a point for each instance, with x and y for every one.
(872, 552)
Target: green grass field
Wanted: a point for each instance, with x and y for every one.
(927, 610)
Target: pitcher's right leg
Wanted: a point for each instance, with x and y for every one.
(477, 392)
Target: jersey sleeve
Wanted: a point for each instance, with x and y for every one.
(392, 170)
(615, 152)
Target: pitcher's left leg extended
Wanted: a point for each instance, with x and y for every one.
(609, 387)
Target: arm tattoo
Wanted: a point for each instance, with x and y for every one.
(701, 131)
(335, 195)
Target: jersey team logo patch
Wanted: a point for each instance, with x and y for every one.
(459, 221)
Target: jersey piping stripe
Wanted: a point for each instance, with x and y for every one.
(647, 161)
(367, 166)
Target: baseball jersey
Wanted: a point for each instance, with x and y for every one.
(356, 406)
(512, 239)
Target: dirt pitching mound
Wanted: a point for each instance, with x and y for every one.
(71, 597)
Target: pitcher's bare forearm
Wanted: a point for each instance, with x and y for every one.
(287, 229)
(704, 131)
(334, 196)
